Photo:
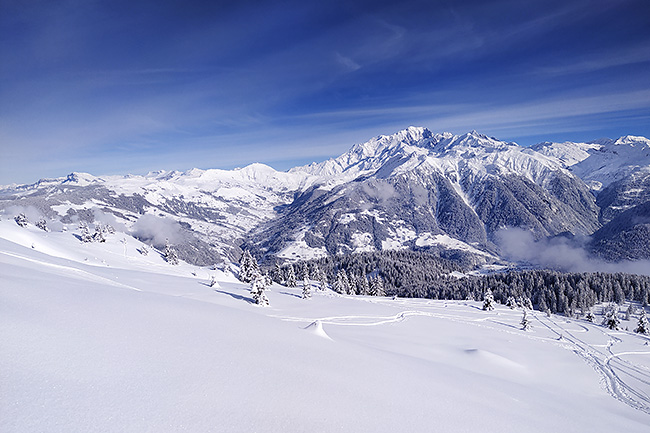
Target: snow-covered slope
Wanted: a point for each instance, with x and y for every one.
(100, 338)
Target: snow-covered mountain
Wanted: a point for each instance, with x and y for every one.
(206, 213)
(413, 189)
(618, 171)
(601, 162)
(419, 189)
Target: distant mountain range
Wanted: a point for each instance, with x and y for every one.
(414, 189)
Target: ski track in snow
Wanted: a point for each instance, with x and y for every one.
(602, 362)
(615, 372)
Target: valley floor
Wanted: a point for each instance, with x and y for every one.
(98, 338)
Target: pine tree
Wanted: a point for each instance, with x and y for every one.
(364, 286)
(21, 220)
(291, 277)
(268, 281)
(170, 254)
(525, 322)
(542, 305)
(98, 236)
(306, 289)
(305, 273)
(352, 286)
(42, 224)
(346, 282)
(278, 274)
(590, 316)
(377, 286)
(642, 326)
(511, 302)
(85, 233)
(488, 300)
(248, 267)
(339, 286)
(611, 319)
(258, 286)
(321, 277)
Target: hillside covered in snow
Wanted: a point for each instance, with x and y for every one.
(99, 337)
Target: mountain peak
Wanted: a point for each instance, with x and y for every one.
(81, 179)
(632, 140)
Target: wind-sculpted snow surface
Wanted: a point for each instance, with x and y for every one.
(82, 351)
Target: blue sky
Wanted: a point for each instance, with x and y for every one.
(112, 87)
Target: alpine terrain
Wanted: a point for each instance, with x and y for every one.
(257, 300)
(447, 194)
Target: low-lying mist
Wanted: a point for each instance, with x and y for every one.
(560, 253)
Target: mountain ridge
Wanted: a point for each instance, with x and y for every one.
(403, 190)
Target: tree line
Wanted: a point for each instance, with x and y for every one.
(424, 275)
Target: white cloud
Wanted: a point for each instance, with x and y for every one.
(558, 253)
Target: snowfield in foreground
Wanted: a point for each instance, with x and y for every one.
(99, 338)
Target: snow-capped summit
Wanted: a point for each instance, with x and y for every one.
(82, 179)
(601, 162)
(471, 152)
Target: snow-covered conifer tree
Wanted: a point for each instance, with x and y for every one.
(525, 322)
(268, 281)
(321, 277)
(590, 316)
(248, 267)
(170, 254)
(338, 283)
(144, 250)
(278, 275)
(377, 286)
(346, 282)
(488, 300)
(85, 233)
(611, 319)
(642, 326)
(352, 286)
(98, 236)
(511, 302)
(364, 285)
(291, 277)
(258, 286)
(306, 289)
(542, 305)
(42, 224)
(305, 273)
(21, 220)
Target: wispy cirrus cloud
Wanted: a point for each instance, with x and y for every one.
(145, 85)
